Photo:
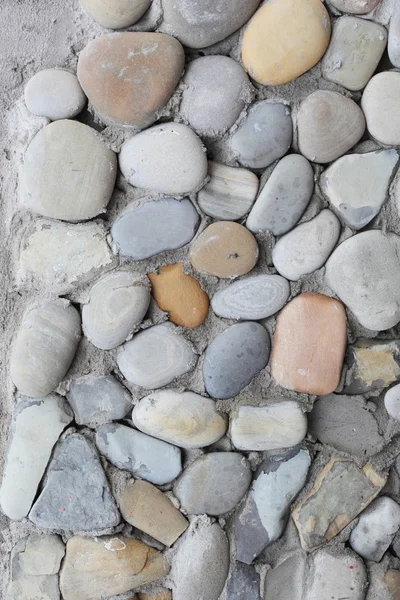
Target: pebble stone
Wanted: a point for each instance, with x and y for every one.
(155, 226)
(182, 418)
(54, 94)
(394, 38)
(234, 358)
(251, 298)
(357, 7)
(263, 516)
(380, 105)
(130, 76)
(329, 124)
(156, 356)
(264, 136)
(229, 193)
(309, 344)
(206, 22)
(376, 529)
(284, 198)
(76, 495)
(284, 40)
(260, 428)
(392, 402)
(224, 249)
(167, 158)
(372, 365)
(337, 575)
(116, 14)
(116, 306)
(145, 507)
(286, 580)
(140, 454)
(306, 248)
(68, 173)
(216, 88)
(364, 272)
(180, 295)
(244, 582)
(354, 52)
(29, 451)
(356, 185)
(227, 476)
(98, 399)
(44, 347)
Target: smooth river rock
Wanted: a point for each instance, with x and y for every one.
(394, 38)
(286, 580)
(156, 356)
(54, 94)
(116, 14)
(234, 358)
(376, 528)
(117, 304)
(284, 197)
(44, 347)
(357, 7)
(392, 402)
(182, 418)
(380, 105)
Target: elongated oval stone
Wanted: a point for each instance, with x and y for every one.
(380, 105)
(44, 347)
(116, 14)
(156, 356)
(55, 94)
(182, 418)
(128, 77)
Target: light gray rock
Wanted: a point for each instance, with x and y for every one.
(42, 554)
(394, 37)
(227, 476)
(284, 197)
(155, 226)
(336, 575)
(76, 495)
(376, 528)
(263, 516)
(307, 247)
(264, 135)
(357, 7)
(286, 580)
(98, 399)
(29, 451)
(140, 454)
(252, 298)
(356, 185)
(380, 105)
(392, 402)
(234, 358)
(244, 583)
(167, 158)
(55, 94)
(116, 14)
(44, 347)
(364, 272)
(156, 356)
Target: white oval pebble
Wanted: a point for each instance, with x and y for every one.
(380, 103)
(54, 94)
(392, 402)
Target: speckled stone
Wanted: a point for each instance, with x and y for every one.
(340, 574)
(357, 7)
(116, 14)
(392, 402)
(394, 38)
(372, 365)
(55, 94)
(380, 105)
(376, 529)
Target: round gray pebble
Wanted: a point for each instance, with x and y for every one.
(54, 94)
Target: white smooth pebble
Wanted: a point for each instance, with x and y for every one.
(54, 94)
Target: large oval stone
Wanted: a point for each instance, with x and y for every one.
(285, 39)
(380, 103)
(116, 14)
(68, 173)
(130, 76)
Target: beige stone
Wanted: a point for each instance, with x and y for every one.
(116, 14)
(393, 583)
(285, 39)
(157, 595)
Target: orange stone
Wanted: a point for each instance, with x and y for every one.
(309, 344)
(129, 76)
(180, 295)
(393, 583)
(224, 249)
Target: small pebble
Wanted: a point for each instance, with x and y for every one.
(376, 528)
(180, 295)
(264, 135)
(182, 418)
(392, 402)
(156, 356)
(155, 226)
(394, 37)
(336, 575)
(329, 124)
(356, 7)
(116, 14)
(372, 365)
(234, 358)
(244, 583)
(286, 580)
(54, 94)
(284, 197)
(380, 105)
(307, 247)
(167, 158)
(224, 249)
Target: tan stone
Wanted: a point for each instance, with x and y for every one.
(157, 595)
(116, 14)
(393, 583)
(106, 566)
(180, 295)
(285, 39)
(145, 507)
(129, 76)
(309, 344)
(372, 365)
(224, 249)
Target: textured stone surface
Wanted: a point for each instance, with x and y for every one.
(392, 402)
(55, 94)
(372, 365)
(394, 38)
(162, 594)
(392, 579)
(357, 7)
(116, 14)
(376, 528)
(380, 105)
(244, 582)
(42, 554)
(336, 575)
(286, 579)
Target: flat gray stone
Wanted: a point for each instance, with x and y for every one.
(287, 579)
(376, 528)
(227, 476)
(144, 456)
(234, 357)
(155, 226)
(336, 575)
(243, 584)
(264, 135)
(394, 37)
(284, 197)
(55, 94)
(76, 495)
(98, 399)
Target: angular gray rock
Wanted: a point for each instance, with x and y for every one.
(336, 575)
(55, 94)
(394, 37)
(286, 580)
(244, 583)
(76, 495)
(376, 528)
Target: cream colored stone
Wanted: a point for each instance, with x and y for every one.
(116, 14)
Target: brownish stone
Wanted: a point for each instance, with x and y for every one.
(393, 583)
(157, 595)
(309, 344)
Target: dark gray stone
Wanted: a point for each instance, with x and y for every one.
(243, 584)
